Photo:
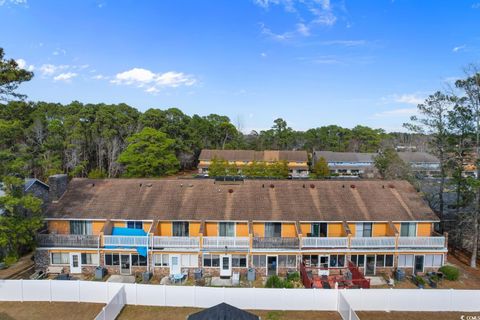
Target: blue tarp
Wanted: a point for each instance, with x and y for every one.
(116, 231)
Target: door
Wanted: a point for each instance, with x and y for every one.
(225, 265)
(125, 264)
(271, 265)
(175, 266)
(419, 263)
(75, 263)
(370, 265)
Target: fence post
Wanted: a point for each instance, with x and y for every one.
(164, 295)
(194, 296)
(78, 291)
(50, 288)
(136, 294)
(21, 286)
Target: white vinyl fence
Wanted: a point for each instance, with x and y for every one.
(346, 302)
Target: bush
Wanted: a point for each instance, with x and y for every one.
(450, 272)
(9, 260)
(274, 282)
(420, 280)
(97, 174)
(294, 276)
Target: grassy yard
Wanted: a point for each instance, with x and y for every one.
(49, 310)
(370, 315)
(168, 313)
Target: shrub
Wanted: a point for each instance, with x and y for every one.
(274, 282)
(9, 260)
(97, 174)
(419, 280)
(294, 276)
(450, 272)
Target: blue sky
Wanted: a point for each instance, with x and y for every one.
(310, 62)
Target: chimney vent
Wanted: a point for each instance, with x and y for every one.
(352, 186)
(312, 186)
(230, 190)
(272, 186)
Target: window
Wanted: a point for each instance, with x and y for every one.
(273, 229)
(319, 230)
(160, 260)
(433, 260)
(289, 261)
(259, 261)
(60, 258)
(211, 260)
(408, 229)
(180, 229)
(112, 259)
(226, 229)
(363, 230)
(135, 224)
(239, 261)
(337, 260)
(90, 258)
(189, 260)
(138, 260)
(405, 260)
(81, 227)
(358, 260)
(324, 262)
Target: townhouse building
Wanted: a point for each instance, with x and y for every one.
(176, 226)
(297, 160)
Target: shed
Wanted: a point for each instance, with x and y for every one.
(223, 311)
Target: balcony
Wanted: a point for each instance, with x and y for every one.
(125, 241)
(275, 243)
(421, 242)
(176, 242)
(226, 243)
(317, 242)
(67, 240)
(373, 242)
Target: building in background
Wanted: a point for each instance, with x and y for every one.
(297, 160)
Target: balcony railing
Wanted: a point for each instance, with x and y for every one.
(317, 242)
(67, 240)
(176, 242)
(373, 242)
(275, 243)
(421, 242)
(226, 242)
(130, 241)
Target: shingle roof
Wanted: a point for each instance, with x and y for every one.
(251, 155)
(331, 156)
(408, 156)
(197, 199)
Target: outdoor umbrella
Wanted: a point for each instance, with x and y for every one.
(223, 311)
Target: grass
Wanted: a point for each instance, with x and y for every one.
(170, 313)
(49, 310)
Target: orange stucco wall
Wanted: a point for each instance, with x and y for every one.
(211, 229)
(424, 229)
(305, 228)
(242, 229)
(59, 226)
(380, 229)
(164, 229)
(288, 230)
(119, 224)
(147, 226)
(258, 229)
(352, 228)
(194, 229)
(97, 227)
(336, 230)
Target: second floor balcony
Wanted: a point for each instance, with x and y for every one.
(373, 242)
(125, 241)
(68, 240)
(176, 242)
(275, 243)
(227, 243)
(324, 242)
(421, 242)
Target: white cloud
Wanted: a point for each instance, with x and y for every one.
(50, 69)
(99, 77)
(59, 51)
(65, 76)
(303, 29)
(22, 64)
(408, 99)
(263, 55)
(142, 77)
(346, 43)
(402, 112)
(459, 48)
(14, 2)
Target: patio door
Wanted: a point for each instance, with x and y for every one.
(225, 265)
(419, 260)
(370, 265)
(75, 263)
(271, 265)
(175, 264)
(125, 264)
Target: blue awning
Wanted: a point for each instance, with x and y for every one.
(117, 231)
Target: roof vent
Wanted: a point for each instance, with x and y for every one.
(181, 185)
(140, 185)
(312, 186)
(383, 186)
(230, 190)
(343, 186)
(391, 186)
(272, 186)
(93, 185)
(149, 185)
(304, 186)
(190, 185)
(263, 185)
(352, 186)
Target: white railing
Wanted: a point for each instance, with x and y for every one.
(421, 242)
(135, 241)
(176, 242)
(372, 242)
(317, 242)
(228, 242)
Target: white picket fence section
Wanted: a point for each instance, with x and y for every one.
(346, 302)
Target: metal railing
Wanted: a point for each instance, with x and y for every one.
(67, 240)
(275, 243)
(373, 242)
(134, 241)
(176, 242)
(322, 242)
(421, 242)
(226, 242)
